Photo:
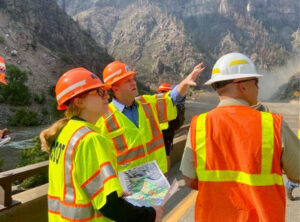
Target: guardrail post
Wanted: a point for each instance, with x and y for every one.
(5, 194)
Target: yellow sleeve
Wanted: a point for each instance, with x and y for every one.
(164, 106)
(94, 169)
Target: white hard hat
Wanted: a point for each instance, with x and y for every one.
(232, 66)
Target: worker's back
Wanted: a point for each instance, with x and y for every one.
(237, 157)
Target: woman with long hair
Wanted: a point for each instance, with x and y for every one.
(83, 185)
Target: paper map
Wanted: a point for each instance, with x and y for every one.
(146, 183)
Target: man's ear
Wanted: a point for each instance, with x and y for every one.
(242, 87)
(114, 89)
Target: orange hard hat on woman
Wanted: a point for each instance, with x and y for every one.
(74, 82)
(116, 71)
(2, 71)
(164, 87)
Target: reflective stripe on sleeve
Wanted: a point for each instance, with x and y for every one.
(95, 183)
(69, 195)
(161, 107)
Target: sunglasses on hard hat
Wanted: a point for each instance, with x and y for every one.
(100, 91)
(246, 80)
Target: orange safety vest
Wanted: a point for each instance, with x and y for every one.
(237, 153)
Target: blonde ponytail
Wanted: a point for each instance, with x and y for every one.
(48, 135)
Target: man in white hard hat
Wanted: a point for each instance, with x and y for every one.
(234, 154)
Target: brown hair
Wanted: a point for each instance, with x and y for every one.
(48, 135)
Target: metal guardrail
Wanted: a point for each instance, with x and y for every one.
(8, 177)
(183, 128)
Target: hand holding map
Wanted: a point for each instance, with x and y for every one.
(147, 184)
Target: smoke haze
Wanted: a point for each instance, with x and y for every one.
(276, 77)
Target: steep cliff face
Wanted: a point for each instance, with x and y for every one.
(131, 30)
(43, 39)
(261, 29)
(145, 37)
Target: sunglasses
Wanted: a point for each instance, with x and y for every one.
(100, 91)
(246, 80)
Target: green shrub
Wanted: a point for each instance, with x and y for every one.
(56, 113)
(39, 99)
(66, 58)
(33, 155)
(2, 39)
(51, 91)
(15, 93)
(1, 164)
(45, 111)
(23, 117)
(2, 100)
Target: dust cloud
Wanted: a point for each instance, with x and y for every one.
(276, 77)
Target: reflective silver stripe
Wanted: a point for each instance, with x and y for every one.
(158, 143)
(131, 155)
(109, 118)
(97, 182)
(164, 87)
(71, 212)
(70, 88)
(113, 75)
(147, 109)
(151, 147)
(69, 196)
(161, 108)
(120, 143)
(111, 123)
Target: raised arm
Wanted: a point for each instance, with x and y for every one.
(185, 84)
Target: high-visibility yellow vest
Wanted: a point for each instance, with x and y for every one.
(133, 145)
(164, 126)
(237, 153)
(299, 129)
(81, 174)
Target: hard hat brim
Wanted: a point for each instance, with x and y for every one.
(122, 77)
(63, 106)
(220, 78)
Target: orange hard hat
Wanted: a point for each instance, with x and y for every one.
(164, 87)
(116, 71)
(74, 82)
(2, 71)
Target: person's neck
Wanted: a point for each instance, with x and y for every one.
(226, 97)
(88, 117)
(125, 101)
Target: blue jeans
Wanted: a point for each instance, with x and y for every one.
(291, 185)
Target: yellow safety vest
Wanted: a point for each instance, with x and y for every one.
(138, 145)
(299, 129)
(164, 126)
(81, 174)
